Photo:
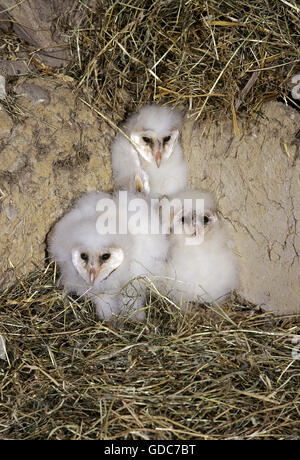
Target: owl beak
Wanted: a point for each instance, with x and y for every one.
(93, 274)
(195, 224)
(158, 158)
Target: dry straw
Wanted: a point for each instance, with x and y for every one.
(178, 376)
(205, 55)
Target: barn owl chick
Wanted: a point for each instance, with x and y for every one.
(99, 262)
(201, 265)
(153, 163)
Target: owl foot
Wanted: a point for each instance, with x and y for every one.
(142, 182)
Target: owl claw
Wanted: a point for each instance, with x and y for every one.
(138, 183)
(142, 182)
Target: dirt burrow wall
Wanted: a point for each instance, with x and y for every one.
(256, 178)
(59, 149)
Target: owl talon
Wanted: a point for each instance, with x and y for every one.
(138, 183)
(142, 182)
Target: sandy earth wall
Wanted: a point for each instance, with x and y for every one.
(256, 179)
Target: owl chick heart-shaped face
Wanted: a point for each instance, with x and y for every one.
(155, 148)
(193, 224)
(96, 266)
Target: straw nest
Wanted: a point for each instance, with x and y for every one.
(215, 57)
(231, 373)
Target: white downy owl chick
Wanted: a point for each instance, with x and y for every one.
(157, 165)
(201, 265)
(99, 265)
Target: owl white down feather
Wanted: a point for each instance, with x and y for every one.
(98, 266)
(202, 266)
(156, 165)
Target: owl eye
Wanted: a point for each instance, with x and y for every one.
(105, 256)
(84, 256)
(206, 219)
(186, 220)
(147, 140)
(166, 139)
